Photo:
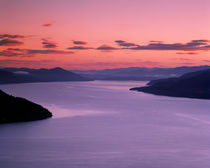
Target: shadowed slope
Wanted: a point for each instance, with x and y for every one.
(192, 85)
(15, 109)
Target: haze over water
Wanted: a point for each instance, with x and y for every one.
(101, 124)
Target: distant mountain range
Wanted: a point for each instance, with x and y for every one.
(26, 75)
(16, 109)
(137, 73)
(191, 85)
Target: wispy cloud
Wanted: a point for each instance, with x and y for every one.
(29, 51)
(11, 36)
(14, 52)
(188, 53)
(208, 61)
(47, 44)
(11, 52)
(194, 45)
(79, 48)
(155, 41)
(79, 42)
(10, 42)
(47, 24)
(125, 44)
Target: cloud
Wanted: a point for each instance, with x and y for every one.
(47, 24)
(187, 63)
(48, 44)
(79, 48)
(79, 42)
(201, 41)
(155, 41)
(188, 53)
(22, 63)
(125, 44)
(185, 59)
(14, 49)
(106, 47)
(119, 41)
(10, 52)
(14, 52)
(11, 36)
(48, 52)
(194, 45)
(10, 42)
(206, 61)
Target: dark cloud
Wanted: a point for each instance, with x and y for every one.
(10, 52)
(188, 53)
(11, 36)
(119, 41)
(206, 61)
(10, 42)
(207, 47)
(79, 48)
(48, 52)
(185, 59)
(14, 52)
(79, 42)
(125, 44)
(48, 44)
(201, 41)
(47, 24)
(155, 41)
(14, 49)
(194, 45)
(106, 47)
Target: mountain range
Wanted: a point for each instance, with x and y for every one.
(137, 73)
(26, 75)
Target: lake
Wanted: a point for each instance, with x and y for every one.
(101, 124)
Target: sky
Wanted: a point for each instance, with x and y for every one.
(100, 34)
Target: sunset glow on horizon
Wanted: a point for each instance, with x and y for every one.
(100, 34)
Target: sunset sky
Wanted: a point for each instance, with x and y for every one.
(99, 34)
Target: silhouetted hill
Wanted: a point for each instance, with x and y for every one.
(138, 73)
(15, 109)
(191, 85)
(26, 75)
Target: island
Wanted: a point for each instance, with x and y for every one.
(16, 109)
(190, 85)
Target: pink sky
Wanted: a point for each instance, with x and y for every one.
(82, 34)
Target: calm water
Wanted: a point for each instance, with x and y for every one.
(104, 125)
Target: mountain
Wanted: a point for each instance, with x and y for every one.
(191, 85)
(137, 73)
(16, 109)
(26, 75)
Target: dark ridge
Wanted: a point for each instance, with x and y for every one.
(190, 85)
(16, 109)
(25, 75)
